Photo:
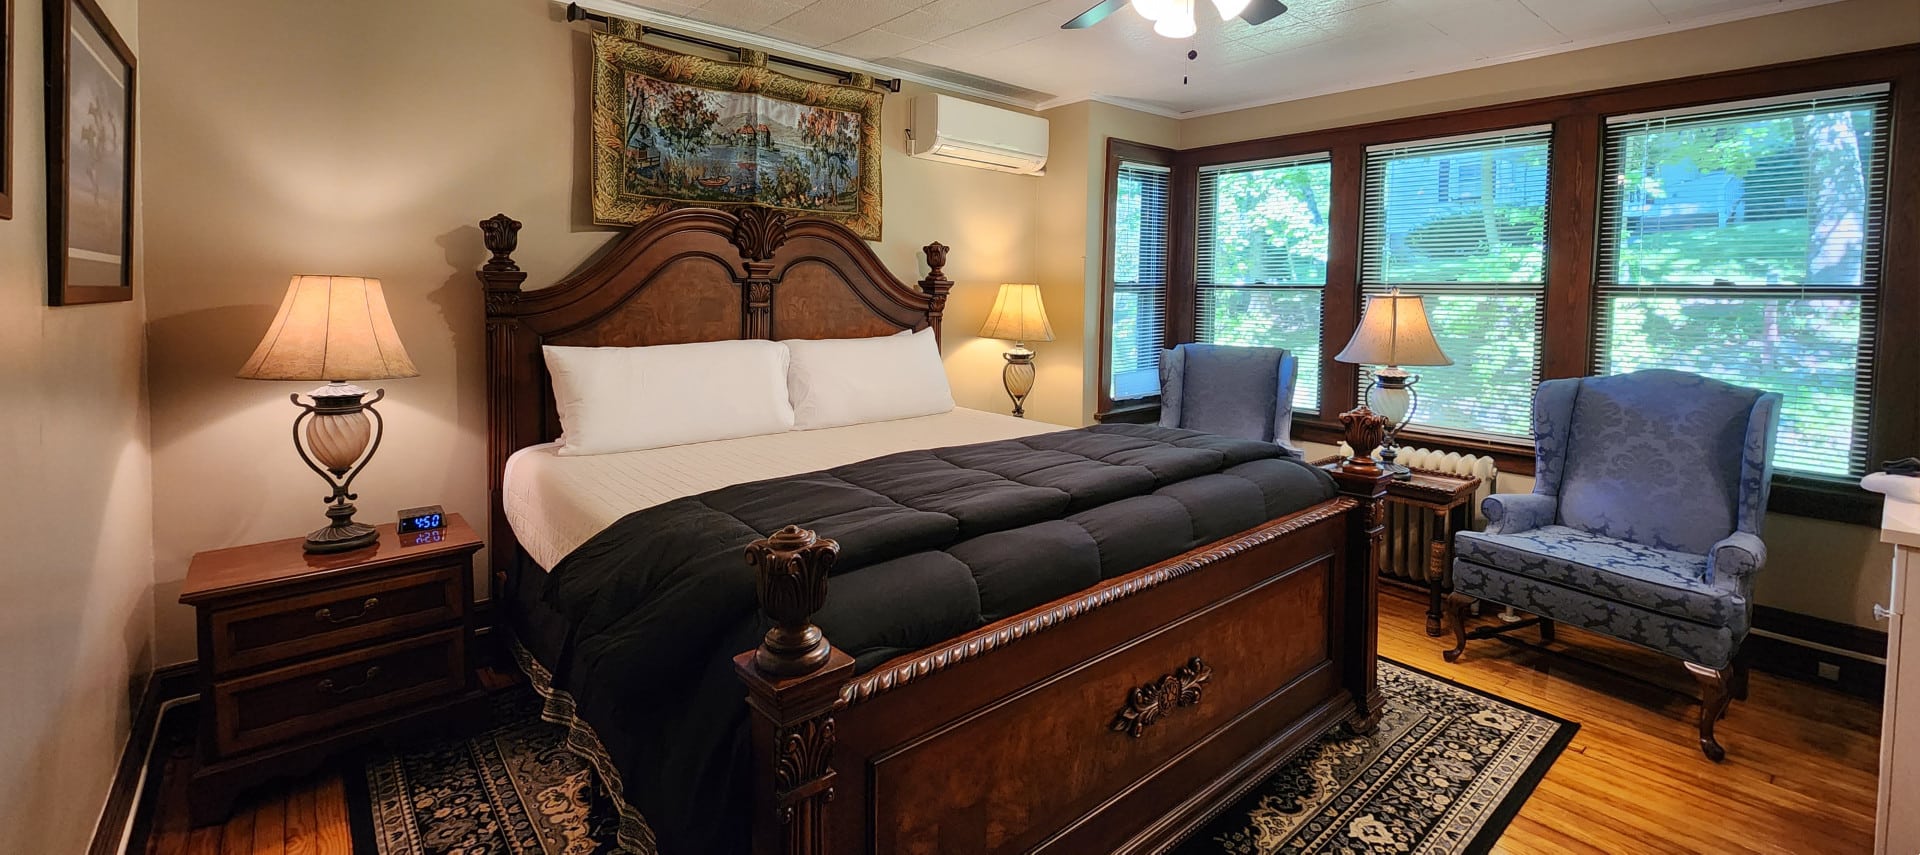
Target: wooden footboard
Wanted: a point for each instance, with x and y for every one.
(1114, 720)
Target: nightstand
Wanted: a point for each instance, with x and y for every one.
(1449, 499)
(304, 656)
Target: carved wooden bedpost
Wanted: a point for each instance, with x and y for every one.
(1362, 478)
(793, 687)
(936, 284)
(500, 278)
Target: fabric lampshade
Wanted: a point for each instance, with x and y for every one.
(331, 328)
(1018, 315)
(1394, 331)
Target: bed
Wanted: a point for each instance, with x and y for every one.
(1114, 718)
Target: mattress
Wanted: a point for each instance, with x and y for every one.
(556, 503)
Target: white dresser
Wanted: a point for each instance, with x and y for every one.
(1898, 830)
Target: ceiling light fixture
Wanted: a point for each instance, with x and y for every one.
(1230, 9)
(1177, 23)
(1154, 10)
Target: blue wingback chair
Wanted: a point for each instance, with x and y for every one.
(1244, 392)
(1643, 524)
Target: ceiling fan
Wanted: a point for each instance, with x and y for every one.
(1174, 18)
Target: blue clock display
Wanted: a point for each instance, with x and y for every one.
(429, 518)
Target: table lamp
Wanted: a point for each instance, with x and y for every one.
(1019, 315)
(335, 329)
(1393, 332)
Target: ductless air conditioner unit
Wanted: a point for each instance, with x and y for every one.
(952, 130)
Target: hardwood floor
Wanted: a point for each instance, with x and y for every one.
(1799, 775)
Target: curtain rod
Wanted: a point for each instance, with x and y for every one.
(575, 13)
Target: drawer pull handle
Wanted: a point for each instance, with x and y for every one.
(329, 687)
(1147, 704)
(326, 615)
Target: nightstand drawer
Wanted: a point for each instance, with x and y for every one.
(261, 633)
(303, 698)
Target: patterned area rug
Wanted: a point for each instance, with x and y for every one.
(514, 790)
(1445, 772)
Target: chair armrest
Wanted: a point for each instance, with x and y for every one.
(1512, 513)
(1740, 555)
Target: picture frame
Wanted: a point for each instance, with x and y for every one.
(90, 101)
(6, 109)
(671, 130)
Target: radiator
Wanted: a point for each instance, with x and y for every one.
(1410, 529)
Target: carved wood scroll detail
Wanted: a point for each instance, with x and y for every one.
(801, 766)
(1147, 704)
(758, 232)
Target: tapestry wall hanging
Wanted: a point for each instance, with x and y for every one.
(672, 130)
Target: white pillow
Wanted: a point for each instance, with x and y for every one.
(845, 381)
(629, 398)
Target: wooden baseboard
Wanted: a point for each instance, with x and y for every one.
(166, 684)
(1798, 645)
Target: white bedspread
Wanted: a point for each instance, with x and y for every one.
(556, 503)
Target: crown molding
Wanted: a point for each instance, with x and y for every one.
(634, 12)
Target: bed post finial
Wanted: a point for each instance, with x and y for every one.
(936, 285)
(793, 683)
(502, 236)
(791, 570)
(500, 276)
(1361, 478)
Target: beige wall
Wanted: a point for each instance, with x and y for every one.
(1836, 28)
(367, 138)
(76, 623)
(1070, 241)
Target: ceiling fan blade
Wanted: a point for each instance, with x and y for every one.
(1095, 15)
(1262, 11)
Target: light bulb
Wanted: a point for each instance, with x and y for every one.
(1154, 10)
(1229, 9)
(1179, 23)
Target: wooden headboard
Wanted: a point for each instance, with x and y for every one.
(694, 274)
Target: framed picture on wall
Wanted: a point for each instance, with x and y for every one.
(6, 109)
(90, 98)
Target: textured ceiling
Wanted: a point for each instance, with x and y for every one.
(1016, 48)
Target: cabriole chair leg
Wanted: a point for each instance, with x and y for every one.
(1714, 697)
(1458, 607)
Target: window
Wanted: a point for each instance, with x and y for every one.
(1261, 260)
(1462, 221)
(1137, 316)
(1742, 242)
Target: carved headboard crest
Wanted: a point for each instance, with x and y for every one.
(759, 232)
(693, 274)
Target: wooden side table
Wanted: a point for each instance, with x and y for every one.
(1449, 498)
(303, 656)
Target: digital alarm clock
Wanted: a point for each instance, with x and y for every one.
(425, 518)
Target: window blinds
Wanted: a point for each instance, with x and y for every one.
(1742, 241)
(1462, 221)
(1261, 260)
(1139, 310)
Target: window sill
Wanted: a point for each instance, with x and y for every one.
(1824, 499)
(1136, 412)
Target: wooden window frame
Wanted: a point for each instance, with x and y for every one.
(1573, 183)
(1122, 151)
